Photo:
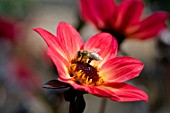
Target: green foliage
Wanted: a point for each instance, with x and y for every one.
(15, 8)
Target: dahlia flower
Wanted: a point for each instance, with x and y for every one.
(122, 20)
(93, 66)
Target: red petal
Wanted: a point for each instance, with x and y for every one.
(74, 84)
(52, 42)
(94, 90)
(128, 13)
(150, 26)
(101, 92)
(105, 43)
(60, 63)
(69, 38)
(120, 69)
(126, 92)
(105, 8)
(97, 91)
(97, 11)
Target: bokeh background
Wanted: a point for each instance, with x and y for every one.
(24, 66)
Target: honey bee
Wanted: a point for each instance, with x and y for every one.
(95, 56)
(91, 55)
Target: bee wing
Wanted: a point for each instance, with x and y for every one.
(95, 50)
(95, 56)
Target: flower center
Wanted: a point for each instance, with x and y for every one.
(83, 72)
(120, 36)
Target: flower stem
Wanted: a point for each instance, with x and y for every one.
(71, 106)
(103, 105)
(77, 102)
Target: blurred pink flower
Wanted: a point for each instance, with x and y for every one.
(8, 29)
(122, 20)
(93, 66)
(26, 78)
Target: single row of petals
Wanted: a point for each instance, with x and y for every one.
(113, 70)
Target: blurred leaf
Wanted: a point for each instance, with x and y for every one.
(15, 8)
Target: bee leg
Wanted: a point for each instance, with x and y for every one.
(82, 56)
(90, 59)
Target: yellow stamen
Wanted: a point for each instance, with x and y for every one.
(83, 72)
(83, 77)
(73, 67)
(100, 81)
(90, 81)
(87, 79)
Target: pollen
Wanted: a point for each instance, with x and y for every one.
(84, 73)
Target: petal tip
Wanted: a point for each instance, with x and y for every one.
(36, 29)
(39, 30)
